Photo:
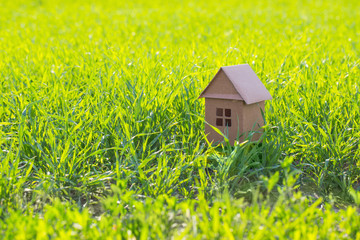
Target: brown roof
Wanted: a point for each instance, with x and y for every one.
(246, 83)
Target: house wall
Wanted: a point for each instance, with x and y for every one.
(252, 118)
(232, 132)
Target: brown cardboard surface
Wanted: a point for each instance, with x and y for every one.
(236, 118)
(221, 87)
(242, 79)
(247, 83)
(253, 120)
(244, 118)
(234, 96)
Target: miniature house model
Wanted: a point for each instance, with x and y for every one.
(234, 102)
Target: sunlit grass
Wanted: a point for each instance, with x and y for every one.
(95, 94)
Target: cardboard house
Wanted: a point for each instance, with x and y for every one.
(234, 102)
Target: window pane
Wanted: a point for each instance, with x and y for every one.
(227, 112)
(228, 122)
(219, 122)
(219, 112)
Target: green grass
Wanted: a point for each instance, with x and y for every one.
(101, 130)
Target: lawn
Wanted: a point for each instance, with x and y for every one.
(102, 134)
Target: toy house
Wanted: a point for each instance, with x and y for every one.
(234, 102)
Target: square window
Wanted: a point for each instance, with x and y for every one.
(219, 122)
(228, 122)
(227, 112)
(219, 112)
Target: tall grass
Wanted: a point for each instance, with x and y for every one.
(128, 217)
(104, 93)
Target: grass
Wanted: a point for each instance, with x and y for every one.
(126, 217)
(102, 134)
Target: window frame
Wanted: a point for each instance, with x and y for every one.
(223, 116)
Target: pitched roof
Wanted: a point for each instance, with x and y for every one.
(246, 83)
